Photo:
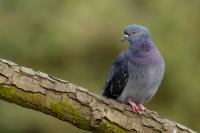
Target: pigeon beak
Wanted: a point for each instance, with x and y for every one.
(125, 38)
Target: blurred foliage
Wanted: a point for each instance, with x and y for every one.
(77, 41)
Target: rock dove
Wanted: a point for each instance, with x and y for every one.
(137, 72)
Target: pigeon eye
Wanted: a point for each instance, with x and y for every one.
(134, 32)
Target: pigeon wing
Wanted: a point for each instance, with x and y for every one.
(117, 78)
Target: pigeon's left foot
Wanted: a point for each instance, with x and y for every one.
(137, 108)
(141, 107)
(134, 107)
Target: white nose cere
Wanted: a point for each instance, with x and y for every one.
(125, 36)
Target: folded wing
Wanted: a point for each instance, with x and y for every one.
(117, 78)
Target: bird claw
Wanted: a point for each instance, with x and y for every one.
(141, 107)
(134, 107)
(137, 108)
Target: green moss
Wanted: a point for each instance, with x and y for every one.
(57, 107)
(13, 94)
(109, 127)
(7, 92)
(72, 109)
(61, 108)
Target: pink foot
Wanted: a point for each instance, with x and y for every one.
(134, 107)
(141, 107)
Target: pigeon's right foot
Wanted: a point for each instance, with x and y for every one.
(134, 107)
(141, 107)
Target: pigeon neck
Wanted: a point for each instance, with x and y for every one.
(142, 51)
(141, 45)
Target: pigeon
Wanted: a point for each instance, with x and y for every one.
(137, 72)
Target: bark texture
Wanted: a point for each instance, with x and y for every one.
(78, 106)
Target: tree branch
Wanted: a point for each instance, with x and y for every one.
(78, 106)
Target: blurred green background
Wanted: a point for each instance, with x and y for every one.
(77, 41)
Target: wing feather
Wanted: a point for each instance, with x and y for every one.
(117, 78)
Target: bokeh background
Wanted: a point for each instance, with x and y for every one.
(77, 41)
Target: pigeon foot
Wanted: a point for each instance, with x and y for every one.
(134, 107)
(137, 108)
(141, 107)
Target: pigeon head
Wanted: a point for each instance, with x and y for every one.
(134, 32)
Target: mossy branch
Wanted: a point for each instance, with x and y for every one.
(78, 106)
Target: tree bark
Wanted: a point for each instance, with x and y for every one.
(78, 106)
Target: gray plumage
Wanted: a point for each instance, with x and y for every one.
(137, 72)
